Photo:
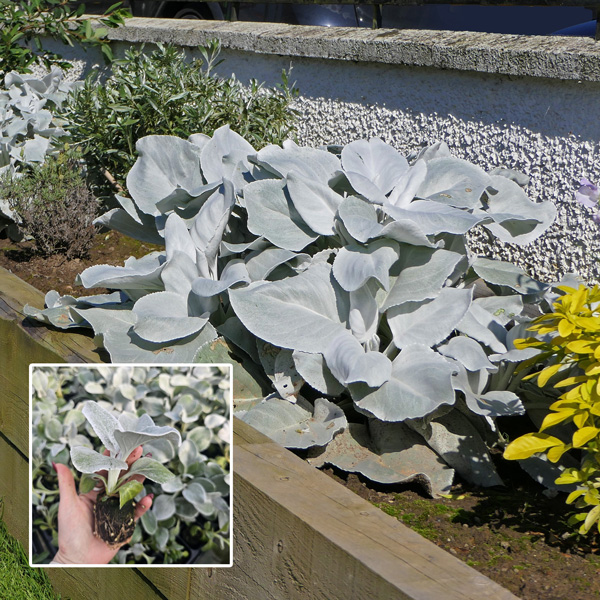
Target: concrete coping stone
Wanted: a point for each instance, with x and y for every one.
(553, 57)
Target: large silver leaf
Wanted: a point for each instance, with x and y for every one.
(394, 454)
(300, 313)
(483, 326)
(210, 223)
(454, 182)
(260, 263)
(354, 265)
(468, 352)
(504, 308)
(129, 440)
(315, 202)
(130, 348)
(408, 232)
(119, 220)
(349, 363)
(429, 322)
(167, 166)
(423, 272)
(517, 219)
(359, 218)
(279, 367)
(406, 189)
(495, 403)
(163, 317)
(312, 163)
(177, 238)
(364, 315)
(457, 441)
(137, 274)
(180, 272)
(433, 217)
(421, 381)
(373, 167)
(272, 215)
(501, 272)
(222, 153)
(86, 460)
(234, 272)
(296, 425)
(313, 369)
(116, 330)
(103, 423)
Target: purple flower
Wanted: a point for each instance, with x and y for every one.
(588, 194)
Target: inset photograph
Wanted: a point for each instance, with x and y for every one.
(130, 465)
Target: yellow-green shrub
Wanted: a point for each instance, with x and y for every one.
(569, 343)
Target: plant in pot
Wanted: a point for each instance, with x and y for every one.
(114, 508)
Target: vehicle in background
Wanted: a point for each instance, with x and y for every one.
(526, 20)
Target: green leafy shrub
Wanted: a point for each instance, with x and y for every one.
(569, 347)
(52, 203)
(190, 513)
(24, 24)
(160, 93)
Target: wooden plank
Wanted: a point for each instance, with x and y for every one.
(17, 350)
(14, 491)
(23, 342)
(103, 583)
(173, 583)
(300, 535)
(14, 294)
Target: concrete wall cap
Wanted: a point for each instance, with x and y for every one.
(567, 58)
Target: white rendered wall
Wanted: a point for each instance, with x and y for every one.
(529, 103)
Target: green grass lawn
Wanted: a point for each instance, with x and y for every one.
(18, 581)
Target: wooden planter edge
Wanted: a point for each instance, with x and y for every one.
(297, 533)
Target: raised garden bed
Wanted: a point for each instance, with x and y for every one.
(283, 546)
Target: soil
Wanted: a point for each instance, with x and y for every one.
(58, 273)
(515, 535)
(112, 524)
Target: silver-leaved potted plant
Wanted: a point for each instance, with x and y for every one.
(114, 508)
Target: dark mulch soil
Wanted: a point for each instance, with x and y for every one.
(515, 535)
(58, 273)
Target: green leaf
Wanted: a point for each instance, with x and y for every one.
(86, 483)
(548, 372)
(128, 491)
(107, 51)
(530, 444)
(591, 518)
(584, 435)
(152, 469)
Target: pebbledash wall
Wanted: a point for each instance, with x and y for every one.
(524, 102)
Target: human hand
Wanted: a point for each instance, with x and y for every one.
(77, 544)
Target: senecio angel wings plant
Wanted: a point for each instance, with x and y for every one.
(114, 508)
(341, 271)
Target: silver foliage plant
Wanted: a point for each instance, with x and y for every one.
(29, 127)
(345, 269)
(191, 507)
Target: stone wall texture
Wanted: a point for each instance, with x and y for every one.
(524, 102)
